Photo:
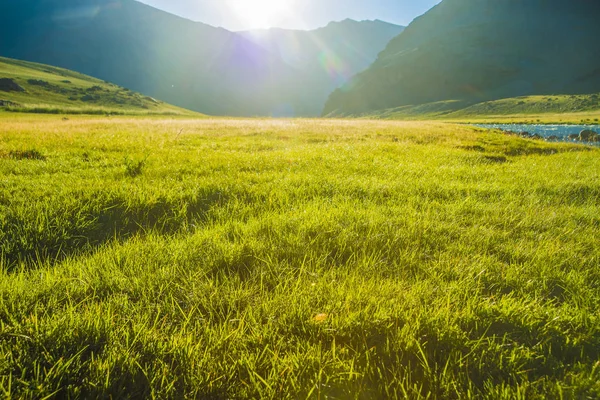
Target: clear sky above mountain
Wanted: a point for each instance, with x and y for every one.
(292, 14)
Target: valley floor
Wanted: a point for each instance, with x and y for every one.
(230, 258)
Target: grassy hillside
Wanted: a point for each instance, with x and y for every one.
(549, 109)
(476, 50)
(42, 88)
(295, 259)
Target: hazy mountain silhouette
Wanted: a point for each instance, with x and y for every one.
(185, 63)
(480, 50)
(327, 57)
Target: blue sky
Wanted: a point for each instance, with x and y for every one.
(292, 14)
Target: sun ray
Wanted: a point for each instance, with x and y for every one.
(260, 14)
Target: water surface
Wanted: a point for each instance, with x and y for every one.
(560, 131)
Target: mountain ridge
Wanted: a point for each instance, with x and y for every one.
(341, 48)
(185, 63)
(480, 50)
(330, 23)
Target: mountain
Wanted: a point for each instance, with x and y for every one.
(39, 88)
(189, 64)
(179, 61)
(478, 50)
(326, 57)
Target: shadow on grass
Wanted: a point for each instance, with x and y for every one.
(510, 146)
(25, 243)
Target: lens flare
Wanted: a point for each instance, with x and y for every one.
(335, 67)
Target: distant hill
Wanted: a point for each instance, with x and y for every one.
(186, 63)
(31, 87)
(327, 57)
(479, 50)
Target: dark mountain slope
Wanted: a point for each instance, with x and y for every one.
(186, 63)
(479, 50)
(142, 48)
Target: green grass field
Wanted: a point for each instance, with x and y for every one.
(52, 90)
(326, 259)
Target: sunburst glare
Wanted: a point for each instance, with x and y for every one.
(258, 14)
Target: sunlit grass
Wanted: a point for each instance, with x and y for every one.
(548, 109)
(295, 259)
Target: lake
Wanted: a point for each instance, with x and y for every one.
(560, 131)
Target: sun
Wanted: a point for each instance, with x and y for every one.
(260, 14)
